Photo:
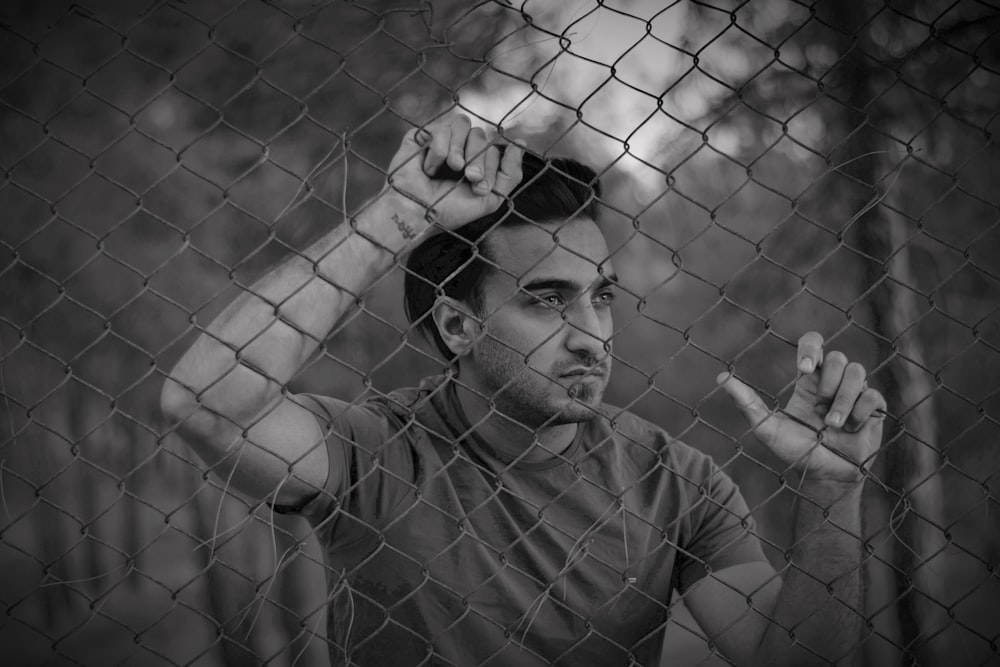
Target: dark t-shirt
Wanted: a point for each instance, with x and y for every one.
(442, 551)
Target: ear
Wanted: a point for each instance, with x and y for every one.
(456, 324)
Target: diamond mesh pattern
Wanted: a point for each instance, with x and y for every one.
(768, 167)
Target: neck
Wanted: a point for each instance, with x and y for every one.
(508, 436)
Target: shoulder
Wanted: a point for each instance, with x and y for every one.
(371, 411)
(408, 411)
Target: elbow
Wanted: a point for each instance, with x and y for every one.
(196, 427)
(176, 401)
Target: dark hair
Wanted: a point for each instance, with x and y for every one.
(454, 263)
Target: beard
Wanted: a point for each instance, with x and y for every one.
(532, 396)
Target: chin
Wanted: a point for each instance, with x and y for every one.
(572, 413)
(576, 404)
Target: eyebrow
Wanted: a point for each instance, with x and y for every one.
(542, 283)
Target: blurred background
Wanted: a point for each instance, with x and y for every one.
(770, 167)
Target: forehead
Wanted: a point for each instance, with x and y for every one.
(570, 250)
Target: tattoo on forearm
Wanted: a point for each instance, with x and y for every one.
(406, 230)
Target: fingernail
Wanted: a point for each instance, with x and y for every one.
(482, 187)
(834, 418)
(806, 365)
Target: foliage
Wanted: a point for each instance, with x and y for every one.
(156, 154)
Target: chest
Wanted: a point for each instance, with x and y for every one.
(559, 552)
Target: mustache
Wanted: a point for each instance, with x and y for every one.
(595, 365)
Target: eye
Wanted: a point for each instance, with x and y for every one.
(549, 300)
(605, 297)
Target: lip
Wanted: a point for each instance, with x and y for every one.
(585, 372)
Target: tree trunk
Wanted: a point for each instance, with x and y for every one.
(87, 494)
(911, 455)
(222, 599)
(58, 605)
(129, 437)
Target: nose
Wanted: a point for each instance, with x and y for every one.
(585, 330)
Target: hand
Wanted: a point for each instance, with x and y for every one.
(832, 426)
(452, 170)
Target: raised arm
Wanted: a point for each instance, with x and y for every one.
(226, 396)
(813, 614)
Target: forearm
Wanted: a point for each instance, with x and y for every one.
(238, 365)
(818, 616)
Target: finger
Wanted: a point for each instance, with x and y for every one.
(810, 352)
(475, 155)
(459, 127)
(830, 374)
(491, 162)
(870, 404)
(438, 143)
(409, 149)
(871, 428)
(852, 384)
(754, 410)
(413, 142)
(509, 174)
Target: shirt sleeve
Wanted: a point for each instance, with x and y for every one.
(721, 531)
(377, 468)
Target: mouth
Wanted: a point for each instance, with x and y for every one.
(581, 373)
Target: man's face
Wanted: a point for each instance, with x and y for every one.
(544, 356)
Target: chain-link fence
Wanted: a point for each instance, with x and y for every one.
(769, 168)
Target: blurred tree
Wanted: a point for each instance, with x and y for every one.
(155, 152)
(825, 166)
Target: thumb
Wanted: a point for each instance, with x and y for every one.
(754, 410)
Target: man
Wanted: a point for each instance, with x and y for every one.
(501, 514)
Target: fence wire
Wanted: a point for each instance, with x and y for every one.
(769, 168)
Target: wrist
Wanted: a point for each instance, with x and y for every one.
(392, 222)
(829, 511)
(827, 492)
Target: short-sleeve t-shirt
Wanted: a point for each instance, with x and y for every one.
(441, 551)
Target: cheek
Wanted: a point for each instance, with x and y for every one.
(608, 329)
(524, 334)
